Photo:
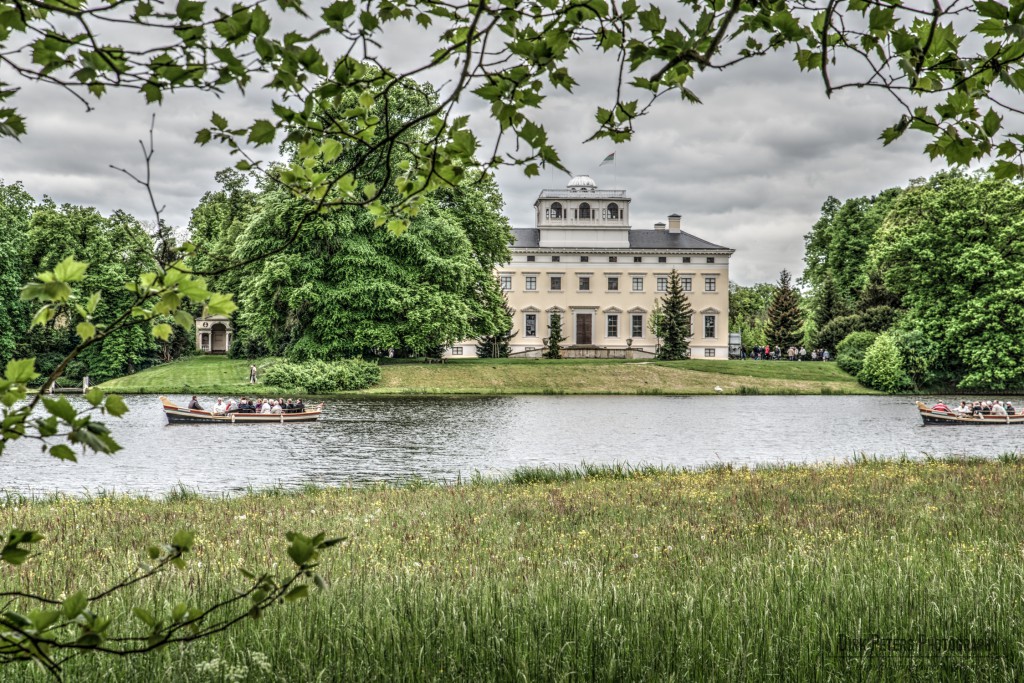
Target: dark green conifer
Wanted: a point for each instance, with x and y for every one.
(785, 321)
(553, 349)
(675, 321)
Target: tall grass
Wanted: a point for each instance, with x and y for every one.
(607, 574)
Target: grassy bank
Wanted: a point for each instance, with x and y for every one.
(721, 574)
(219, 375)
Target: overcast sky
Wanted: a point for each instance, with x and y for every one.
(748, 169)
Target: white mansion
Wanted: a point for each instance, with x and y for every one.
(585, 262)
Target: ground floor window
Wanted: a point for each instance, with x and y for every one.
(556, 282)
(638, 284)
(531, 325)
(709, 353)
(456, 350)
(613, 325)
(637, 325)
(506, 282)
(709, 326)
(662, 282)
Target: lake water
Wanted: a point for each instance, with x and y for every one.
(364, 439)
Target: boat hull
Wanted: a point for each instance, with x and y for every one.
(178, 415)
(930, 418)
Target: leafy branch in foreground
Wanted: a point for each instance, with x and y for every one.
(50, 632)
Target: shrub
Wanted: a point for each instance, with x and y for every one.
(882, 368)
(850, 352)
(318, 376)
(835, 331)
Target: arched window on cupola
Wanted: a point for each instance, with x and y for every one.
(555, 211)
(613, 211)
(584, 211)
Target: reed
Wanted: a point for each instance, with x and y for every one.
(609, 574)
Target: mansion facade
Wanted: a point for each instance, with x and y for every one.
(585, 262)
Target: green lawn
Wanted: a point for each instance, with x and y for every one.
(720, 575)
(211, 375)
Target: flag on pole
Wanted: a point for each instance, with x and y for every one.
(608, 159)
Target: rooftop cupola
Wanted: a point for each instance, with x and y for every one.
(582, 183)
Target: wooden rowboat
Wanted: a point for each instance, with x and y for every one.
(940, 417)
(178, 415)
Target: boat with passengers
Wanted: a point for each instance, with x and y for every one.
(178, 415)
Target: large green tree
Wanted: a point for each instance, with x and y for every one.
(675, 321)
(951, 250)
(748, 311)
(15, 213)
(785, 319)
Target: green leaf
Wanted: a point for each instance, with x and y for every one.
(297, 593)
(61, 408)
(183, 540)
(184, 318)
(94, 396)
(63, 452)
(86, 330)
(262, 132)
(43, 619)
(70, 270)
(336, 13)
(145, 616)
(93, 301)
(115, 405)
(162, 331)
(220, 304)
(189, 10)
(21, 371)
(74, 605)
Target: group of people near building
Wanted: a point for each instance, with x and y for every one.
(267, 406)
(766, 352)
(977, 408)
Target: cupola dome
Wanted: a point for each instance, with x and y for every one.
(582, 183)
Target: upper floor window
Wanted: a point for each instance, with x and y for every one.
(709, 284)
(613, 211)
(555, 211)
(686, 259)
(709, 326)
(638, 259)
(584, 283)
(530, 325)
(531, 282)
(711, 259)
(531, 257)
(662, 283)
(613, 284)
(506, 282)
(638, 283)
(556, 259)
(584, 210)
(662, 259)
(613, 259)
(584, 259)
(556, 283)
(687, 283)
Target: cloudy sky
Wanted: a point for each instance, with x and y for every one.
(748, 169)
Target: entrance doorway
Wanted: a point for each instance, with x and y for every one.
(220, 339)
(584, 328)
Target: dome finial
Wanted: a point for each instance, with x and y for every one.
(582, 183)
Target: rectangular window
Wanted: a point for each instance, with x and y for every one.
(584, 283)
(709, 326)
(613, 259)
(531, 282)
(709, 353)
(686, 259)
(556, 283)
(456, 350)
(531, 325)
(711, 259)
(613, 325)
(687, 283)
(637, 323)
(556, 259)
(663, 259)
(638, 259)
(584, 259)
(638, 284)
(662, 283)
(506, 282)
(531, 258)
(709, 284)
(613, 284)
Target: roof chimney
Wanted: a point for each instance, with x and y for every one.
(659, 226)
(673, 222)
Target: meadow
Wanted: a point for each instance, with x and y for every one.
(605, 574)
(218, 375)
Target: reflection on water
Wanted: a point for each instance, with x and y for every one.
(441, 438)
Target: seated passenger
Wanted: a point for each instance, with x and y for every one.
(266, 408)
(940, 407)
(289, 407)
(998, 409)
(194, 404)
(1010, 410)
(218, 407)
(275, 407)
(299, 406)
